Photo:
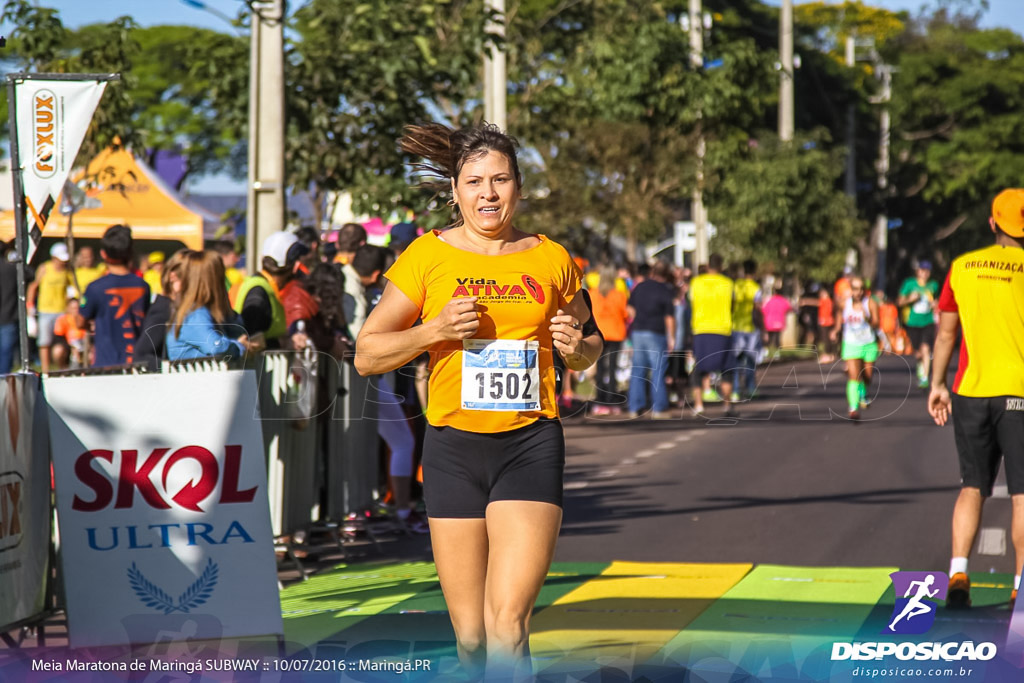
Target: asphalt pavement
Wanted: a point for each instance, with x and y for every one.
(792, 481)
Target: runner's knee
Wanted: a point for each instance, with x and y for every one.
(508, 625)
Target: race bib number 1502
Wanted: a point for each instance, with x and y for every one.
(500, 374)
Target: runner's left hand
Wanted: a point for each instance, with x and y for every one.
(566, 334)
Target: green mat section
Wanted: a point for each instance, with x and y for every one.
(330, 602)
(778, 617)
(384, 610)
(421, 624)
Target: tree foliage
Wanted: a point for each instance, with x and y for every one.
(358, 71)
(957, 110)
(795, 217)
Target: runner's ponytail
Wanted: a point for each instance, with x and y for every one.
(445, 151)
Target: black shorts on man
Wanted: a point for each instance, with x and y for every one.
(989, 430)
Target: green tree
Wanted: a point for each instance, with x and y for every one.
(958, 132)
(358, 71)
(40, 43)
(605, 95)
(782, 204)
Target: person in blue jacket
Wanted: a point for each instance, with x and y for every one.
(204, 323)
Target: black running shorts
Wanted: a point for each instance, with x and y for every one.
(921, 335)
(987, 430)
(464, 471)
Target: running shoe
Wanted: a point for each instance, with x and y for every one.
(922, 383)
(959, 594)
(711, 396)
(663, 415)
(734, 397)
(854, 415)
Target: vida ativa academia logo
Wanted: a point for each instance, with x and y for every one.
(914, 613)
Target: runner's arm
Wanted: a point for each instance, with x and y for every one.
(388, 340)
(945, 338)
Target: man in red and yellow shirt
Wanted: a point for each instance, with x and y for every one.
(984, 295)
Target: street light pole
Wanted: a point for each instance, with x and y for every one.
(699, 215)
(266, 201)
(882, 221)
(786, 105)
(495, 72)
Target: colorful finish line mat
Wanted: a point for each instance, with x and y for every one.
(628, 621)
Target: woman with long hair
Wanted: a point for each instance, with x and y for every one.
(495, 304)
(204, 324)
(152, 343)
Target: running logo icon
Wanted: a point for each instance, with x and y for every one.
(914, 613)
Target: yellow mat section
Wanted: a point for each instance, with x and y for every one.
(628, 612)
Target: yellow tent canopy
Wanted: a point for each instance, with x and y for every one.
(130, 193)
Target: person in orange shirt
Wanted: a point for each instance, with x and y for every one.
(842, 287)
(495, 304)
(69, 339)
(611, 315)
(826, 321)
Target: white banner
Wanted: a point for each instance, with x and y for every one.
(52, 118)
(24, 499)
(162, 507)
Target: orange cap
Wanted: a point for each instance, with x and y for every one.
(1008, 212)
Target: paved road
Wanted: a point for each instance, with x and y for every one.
(791, 482)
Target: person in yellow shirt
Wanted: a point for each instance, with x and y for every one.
(154, 272)
(87, 270)
(226, 250)
(746, 330)
(711, 296)
(984, 296)
(52, 282)
(495, 304)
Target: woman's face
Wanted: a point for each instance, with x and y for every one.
(487, 194)
(176, 285)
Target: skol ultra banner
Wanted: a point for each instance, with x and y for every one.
(24, 499)
(52, 117)
(162, 506)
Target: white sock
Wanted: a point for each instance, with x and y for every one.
(1016, 582)
(957, 565)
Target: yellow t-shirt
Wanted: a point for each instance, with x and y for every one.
(711, 295)
(986, 288)
(593, 279)
(234, 276)
(52, 295)
(519, 292)
(746, 294)
(152, 279)
(86, 276)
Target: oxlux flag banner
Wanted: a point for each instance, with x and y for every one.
(52, 118)
(162, 507)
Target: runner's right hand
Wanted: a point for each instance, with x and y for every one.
(939, 404)
(459, 319)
